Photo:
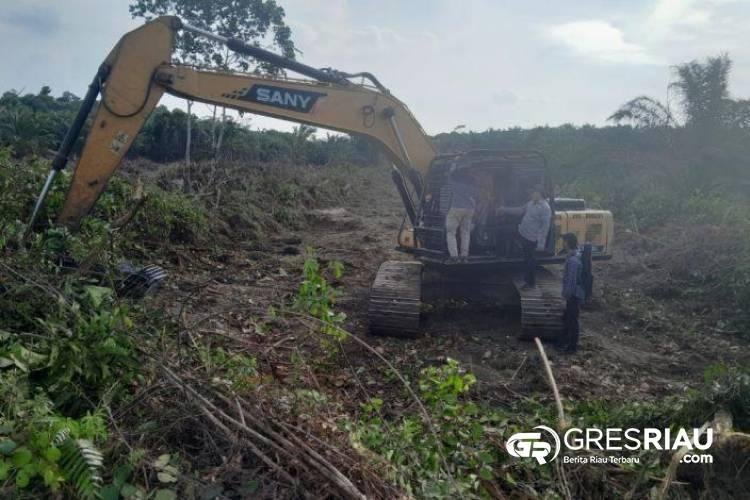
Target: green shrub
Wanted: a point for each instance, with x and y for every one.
(170, 217)
(76, 350)
(652, 208)
(715, 208)
(39, 448)
(724, 387)
(317, 297)
(453, 458)
(66, 343)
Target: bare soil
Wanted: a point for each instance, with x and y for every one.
(635, 343)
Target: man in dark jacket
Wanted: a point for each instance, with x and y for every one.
(573, 293)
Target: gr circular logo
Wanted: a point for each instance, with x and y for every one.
(534, 444)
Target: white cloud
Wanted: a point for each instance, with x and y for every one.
(685, 12)
(678, 19)
(690, 20)
(478, 62)
(599, 40)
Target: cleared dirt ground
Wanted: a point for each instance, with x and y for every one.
(633, 346)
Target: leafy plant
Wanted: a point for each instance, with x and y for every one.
(38, 445)
(88, 355)
(317, 297)
(236, 370)
(454, 457)
(82, 462)
(171, 217)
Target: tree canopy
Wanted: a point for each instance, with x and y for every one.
(253, 21)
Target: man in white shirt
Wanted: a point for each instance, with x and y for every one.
(458, 220)
(533, 229)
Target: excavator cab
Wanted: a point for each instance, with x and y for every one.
(503, 179)
(492, 272)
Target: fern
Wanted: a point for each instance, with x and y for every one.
(81, 462)
(61, 436)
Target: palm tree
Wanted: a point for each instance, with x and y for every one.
(704, 98)
(298, 142)
(22, 128)
(643, 112)
(703, 89)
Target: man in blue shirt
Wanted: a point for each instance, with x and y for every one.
(573, 293)
(459, 217)
(533, 229)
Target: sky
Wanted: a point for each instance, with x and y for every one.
(477, 63)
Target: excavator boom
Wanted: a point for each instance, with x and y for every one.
(138, 72)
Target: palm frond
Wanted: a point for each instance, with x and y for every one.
(643, 112)
(61, 436)
(81, 462)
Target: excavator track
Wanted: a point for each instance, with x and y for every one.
(396, 299)
(542, 307)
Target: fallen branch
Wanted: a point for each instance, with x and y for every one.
(401, 379)
(515, 373)
(296, 451)
(674, 463)
(206, 408)
(562, 423)
(310, 456)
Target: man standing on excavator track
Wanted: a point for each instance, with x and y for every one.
(532, 231)
(573, 293)
(459, 218)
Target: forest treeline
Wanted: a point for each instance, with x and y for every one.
(34, 124)
(647, 165)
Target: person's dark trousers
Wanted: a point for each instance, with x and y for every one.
(570, 341)
(529, 260)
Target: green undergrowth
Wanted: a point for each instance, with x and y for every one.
(460, 452)
(724, 388)
(253, 200)
(164, 217)
(71, 349)
(316, 297)
(451, 455)
(449, 445)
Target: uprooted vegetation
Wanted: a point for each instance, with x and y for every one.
(241, 379)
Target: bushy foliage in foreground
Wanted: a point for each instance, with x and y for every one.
(459, 452)
(450, 451)
(69, 346)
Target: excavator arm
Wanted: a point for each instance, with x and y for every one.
(138, 72)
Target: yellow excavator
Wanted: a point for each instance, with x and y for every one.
(138, 71)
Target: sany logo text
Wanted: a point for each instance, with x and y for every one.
(291, 98)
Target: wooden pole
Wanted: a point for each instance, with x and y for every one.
(562, 422)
